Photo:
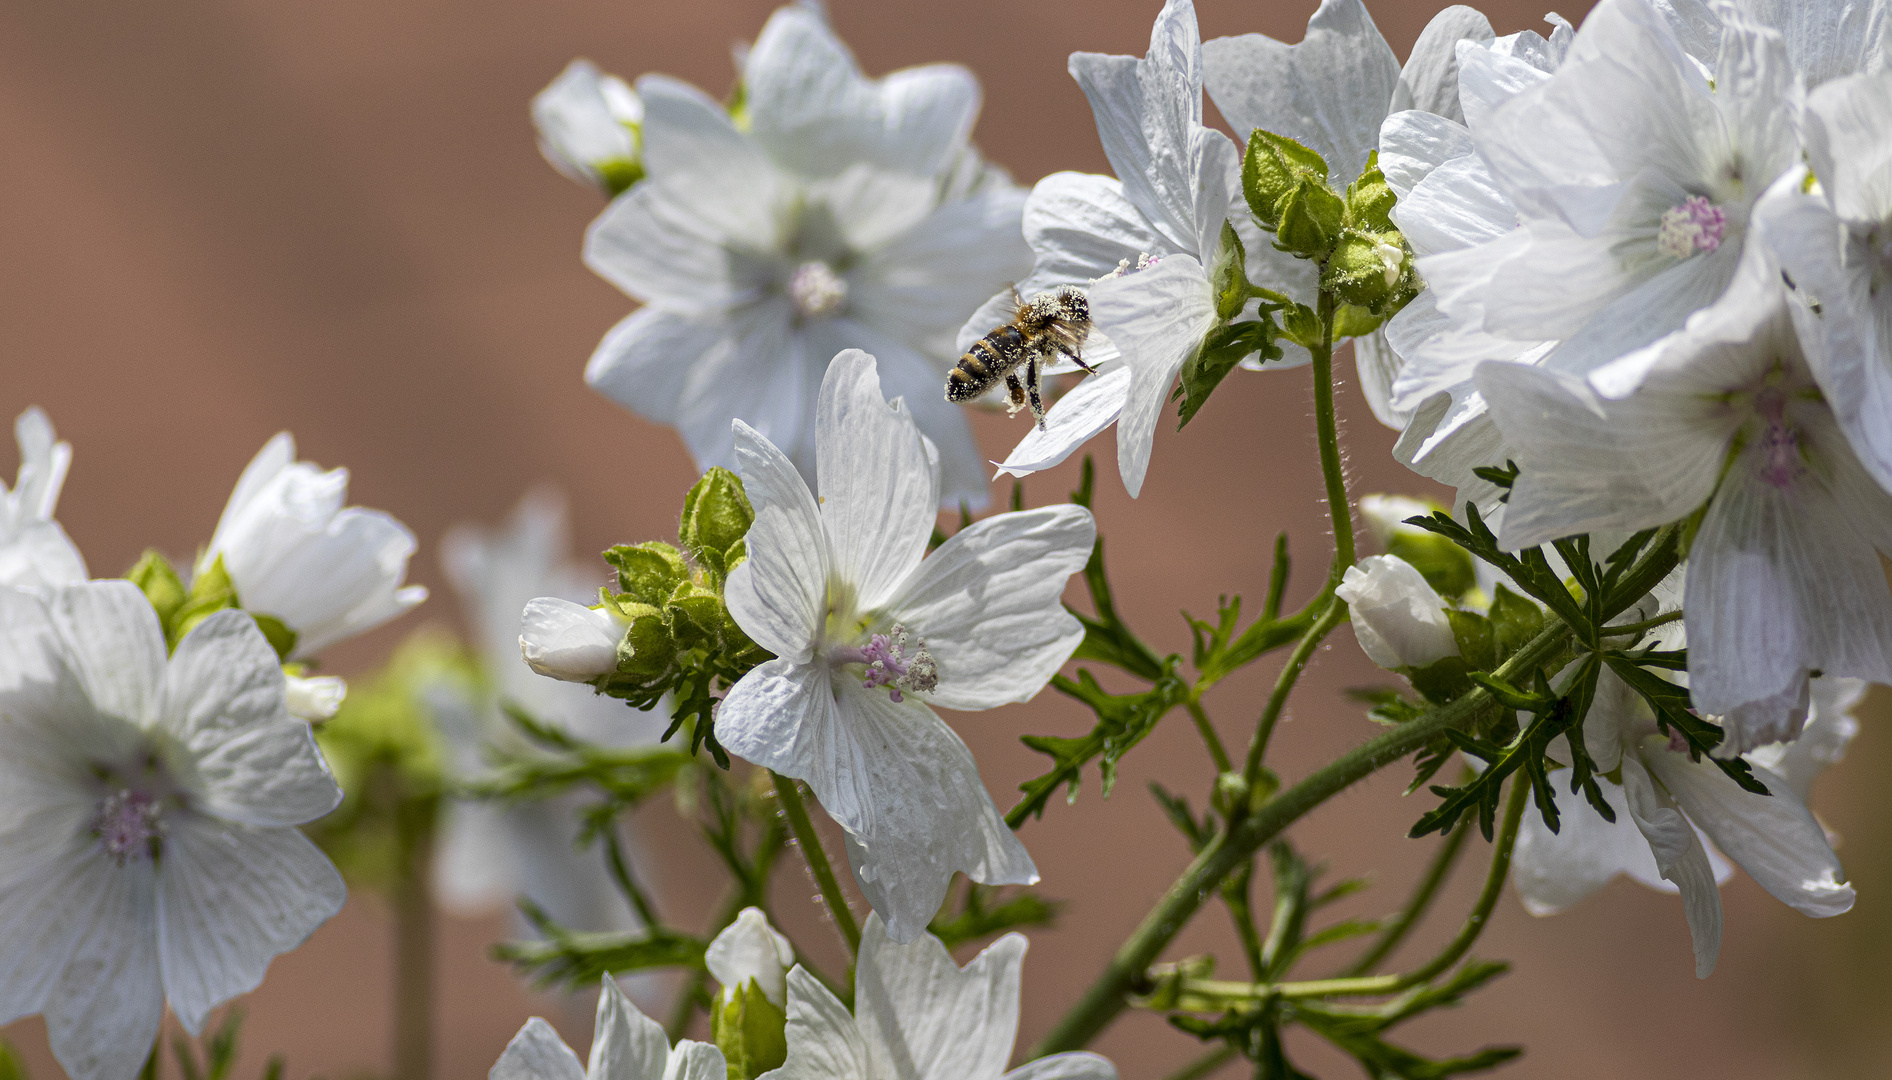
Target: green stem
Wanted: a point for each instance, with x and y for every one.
(1128, 969)
(1235, 895)
(1327, 431)
(817, 859)
(413, 937)
(1284, 683)
(620, 869)
(1631, 629)
(1395, 932)
(1209, 738)
(1381, 985)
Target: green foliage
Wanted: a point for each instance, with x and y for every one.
(1122, 721)
(1272, 167)
(11, 1066)
(554, 762)
(1308, 220)
(154, 575)
(716, 517)
(219, 1053)
(180, 609)
(570, 960)
(1229, 342)
(750, 1030)
(982, 913)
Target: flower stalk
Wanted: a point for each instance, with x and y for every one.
(817, 859)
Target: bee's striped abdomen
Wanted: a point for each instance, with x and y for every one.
(990, 359)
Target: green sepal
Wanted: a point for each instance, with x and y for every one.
(1446, 567)
(1228, 275)
(1226, 346)
(1358, 271)
(1271, 166)
(1441, 681)
(648, 572)
(1370, 199)
(1301, 325)
(277, 633)
(1309, 220)
(696, 615)
(618, 175)
(1514, 620)
(750, 1030)
(1477, 641)
(716, 514)
(158, 580)
(1352, 321)
(211, 591)
(646, 650)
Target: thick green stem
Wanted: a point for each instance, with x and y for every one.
(1215, 995)
(1422, 896)
(1327, 431)
(817, 859)
(1285, 682)
(1128, 969)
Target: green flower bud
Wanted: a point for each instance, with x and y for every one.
(696, 615)
(716, 514)
(1367, 269)
(277, 633)
(1309, 219)
(158, 580)
(1227, 274)
(211, 591)
(750, 1030)
(648, 572)
(647, 650)
(1370, 200)
(1271, 168)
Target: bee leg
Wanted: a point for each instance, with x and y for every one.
(1075, 358)
(1017, 390)
(1031, 388)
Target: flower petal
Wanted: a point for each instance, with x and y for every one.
(537, 1053)
(824, 1042)
(923, 1017)
(782, 716)
(230, 899)
(1072, 421)
(779, 593)
(114, 644)
(1413, 143)
(988, 604)
(1552, 871)
(40, 555)
(921, 285)
(693, 1060)
(1075, 1065)
(1429, 81)
(223, 697)
(1158, 317)
(644, 363)
(1681, 858)
(53, 886)
(562, 640)
(626, 1044)
(749, 948)
(104, 1014)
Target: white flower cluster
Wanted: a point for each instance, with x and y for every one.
(155, 751)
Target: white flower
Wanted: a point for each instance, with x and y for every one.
(625, 1045)
(1664, 807)
(490, 853)
(1826, 39)
(587, 124)
(919, 1016)
(1398, 619)
(563, 639)
(34, 551)
(1783, 573)
(867, 629)
(149, 850)
(1836, 246)
(293, 552)
(750, 948)
(1385, 516)
(851, 214)
(1633, 173)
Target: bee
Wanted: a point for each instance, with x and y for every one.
(1050, 323)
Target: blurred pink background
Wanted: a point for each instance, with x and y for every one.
(223, 218)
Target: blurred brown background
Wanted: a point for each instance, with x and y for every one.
(222, 218)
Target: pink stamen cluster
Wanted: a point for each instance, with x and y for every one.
(1696, 225)
(1779, 443)
(129, 825)
(889, 665)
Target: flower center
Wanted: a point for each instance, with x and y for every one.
(1696, 225)
(816, 290)
(1778, 445)
(889, 664)
(1879, 250)
(130, 825)
(1145, 260)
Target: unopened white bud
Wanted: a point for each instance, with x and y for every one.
(1385, 517)
(316, 699)
(750, 948)
(587, 125)
(1398, 618)
(568, 641)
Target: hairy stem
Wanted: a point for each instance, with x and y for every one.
(817, 859)
(1409, 916)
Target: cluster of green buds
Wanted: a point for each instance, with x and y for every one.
(679, 638)
(1363, 258)
(181, 607)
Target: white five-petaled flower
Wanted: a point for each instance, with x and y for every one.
(850, 213)
(587, 123)
(869, 630)
(919, 1016)
(34, 551)
(1836, 246)
(148, 849)
(1783, 572)
(490, 852)
(749, 948)
(1398, 618)
(295, 553)
(625, 1045)
(1666, 803)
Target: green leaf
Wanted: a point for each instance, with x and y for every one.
(1122, 721)
(1514, 622)
(571, 960)
(1309, 220)
(1220, 352)
(1673, 707)
(979, 917)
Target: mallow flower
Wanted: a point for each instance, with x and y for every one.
(1398, 618)
(489, 852)
(293, 552)
(1835, 244)
(625, 1045)
(869, 632)
(1783, 575)
(919, 1016)
(149, 852)
(588, 127)
(848, 213)
(34, 551)
(1676, 818)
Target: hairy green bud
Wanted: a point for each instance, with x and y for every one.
(1271, 167)
(1368, 269)
(1228, 275)
(750, 1030)
(696, 615)
(647, 649)
(1309, 219)
(158, 580)
(1370, 199)
(716, 514)
(648, 572)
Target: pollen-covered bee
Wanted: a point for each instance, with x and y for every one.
(1051, 322)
